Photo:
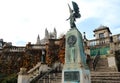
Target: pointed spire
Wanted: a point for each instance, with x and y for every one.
(54, 30)
(46, 34)
(55, 33)
(38, 40)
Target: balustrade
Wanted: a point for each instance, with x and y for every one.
(97, 42)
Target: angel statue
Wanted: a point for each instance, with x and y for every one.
(73, 14)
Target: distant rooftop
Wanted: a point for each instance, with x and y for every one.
(102, 27)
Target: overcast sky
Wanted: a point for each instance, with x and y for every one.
(22, 20)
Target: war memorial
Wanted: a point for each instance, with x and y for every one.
(75, 69)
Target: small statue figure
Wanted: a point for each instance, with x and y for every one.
(73, 14)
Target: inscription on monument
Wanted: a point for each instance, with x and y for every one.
(71, 76)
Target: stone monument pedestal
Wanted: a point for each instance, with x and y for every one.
(74, 73)
(75, 69)
(76, 76)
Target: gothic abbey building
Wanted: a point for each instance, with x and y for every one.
(51, 49)
(49, 35)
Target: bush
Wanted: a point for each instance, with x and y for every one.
(10, 79)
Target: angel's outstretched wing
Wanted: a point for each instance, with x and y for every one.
(76, 9)
(70, 10)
